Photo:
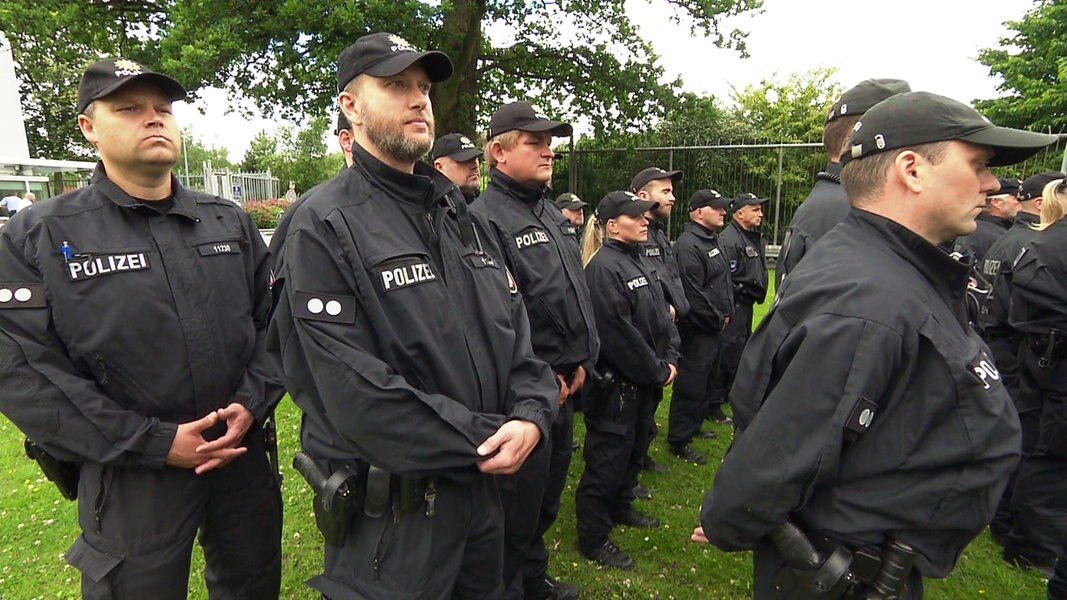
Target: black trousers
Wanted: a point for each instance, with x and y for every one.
(615, 443)
(522, 495)
(734, 338)
(1005, 349)
(138, 527)
(694, 386)
(1057, 584)
(1039, 499)
(456, 553)
(536, 567)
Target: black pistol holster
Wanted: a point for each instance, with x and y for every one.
(839, 573)
(60, 472)
(338, 497)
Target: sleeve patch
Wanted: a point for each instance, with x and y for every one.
(862, 415)
(331, 308)
(22, 295)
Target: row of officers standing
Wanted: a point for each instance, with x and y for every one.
(436, 348)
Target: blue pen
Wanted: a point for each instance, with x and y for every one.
(66, 251)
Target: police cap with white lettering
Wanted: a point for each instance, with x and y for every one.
(524, 116)
(570, 202)
(619, 203)
(922, 118)
(385, 55)
(865, 95)
(1008, 187)
(105, 77)
(1034, 185)
(746, 199)
(456, 146)
(711, 198)
(647, 176)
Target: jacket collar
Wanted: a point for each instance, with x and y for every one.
(1025, 219)
(1002, 222)
(184, 203)
(507, 185)
(700, 231)
(632, 250)
(424, 187)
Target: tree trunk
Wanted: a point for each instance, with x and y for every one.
(455, 101)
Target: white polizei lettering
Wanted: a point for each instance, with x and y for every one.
(407, 275)
(90, 268)
(105, 265)
(637, 282)
(387, 279)
(531, 239)
(75, 269)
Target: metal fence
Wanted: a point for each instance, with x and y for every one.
(235, 186)
(781, 172)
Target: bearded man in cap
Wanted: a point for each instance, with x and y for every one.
(537, 247)
(827, 204)
(162, 440)
(407, 416)
(456, 156)
(872, 424)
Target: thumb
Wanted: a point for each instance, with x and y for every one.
(206, 421)
(493, 443)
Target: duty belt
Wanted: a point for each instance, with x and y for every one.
(1049, 347)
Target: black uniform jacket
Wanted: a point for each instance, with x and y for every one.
(402, 339)
(529, 230)
(638, 339)
(1039, 283)
(746, 254)
(866, 408)
(977, 244)
(657, 251)
(996, 269)
(825, 207)
(705, 276)
(154, 320)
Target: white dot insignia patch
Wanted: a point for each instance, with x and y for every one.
(22, 295)
(313, 306)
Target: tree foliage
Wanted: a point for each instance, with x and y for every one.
(1032, 65)
(294, 155)
(577, 58)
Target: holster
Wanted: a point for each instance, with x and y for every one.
(600, 390)
(60, 472)
(401, 494)
(339, 496)
(1048, 347)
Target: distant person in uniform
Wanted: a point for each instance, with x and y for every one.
(1001, 208)
(827, 204)
(456, 156)
(870, 416)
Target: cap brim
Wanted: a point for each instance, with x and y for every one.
(170, 87)
(638, 207)
(464, 155)
(750, 201)
(437, 64)
(1009, 146)
(573, 205)
(558, 128)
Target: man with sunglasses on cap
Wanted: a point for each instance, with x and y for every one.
(167, 433)
(871, 422)
(407, 416)
(456, 156)
(705, 276)
(827, 204)
(538, 250)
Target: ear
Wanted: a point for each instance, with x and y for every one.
(498, 152)
(642, 194)
(911, 169)
(1038, 203)
(345, 140)
(88, 128)
(438, 164)
(352, 108)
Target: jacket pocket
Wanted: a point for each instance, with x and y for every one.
(93, 563)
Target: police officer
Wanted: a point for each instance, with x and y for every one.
(573, 209)
(706, 282)
(1001, 207)
(746, 254)
(456, 156)
(537, 248)
(422, 410)
(827, 204)
(994, 327)
(638, 357)
(657, 185)
(1037, 311)
(168, 434)
(868, 413)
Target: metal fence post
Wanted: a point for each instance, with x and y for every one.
(778, 193)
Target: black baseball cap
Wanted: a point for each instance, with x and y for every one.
(746, 199)
(570, 201)
(385, 55)
(342, 123)
(620, 203)
(865, 95)
(105, 77)
(711, 198)
(921, 118)
(645, 176)
(524, 116)
(1034, 185)
(455, 146)
(1007, 186)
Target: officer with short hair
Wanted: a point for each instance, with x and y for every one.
(405, 343)
(827, 204)
(706, 282)
(537, 247)
(456, 156)
(742, 242)
(871, 422)
(638, 357)
(168, 434)
(573, 208)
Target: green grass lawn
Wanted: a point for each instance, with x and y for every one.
(37, 525)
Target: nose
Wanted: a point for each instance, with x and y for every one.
(988, 182)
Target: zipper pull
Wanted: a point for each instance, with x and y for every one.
(431, 499)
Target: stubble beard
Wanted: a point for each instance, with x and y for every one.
(390, 138)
